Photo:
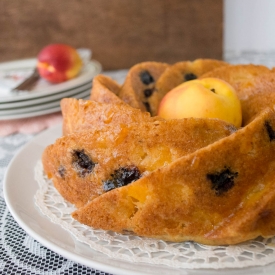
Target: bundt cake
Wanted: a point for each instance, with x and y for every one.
(203, 180)
(87, 163)
(223, 193)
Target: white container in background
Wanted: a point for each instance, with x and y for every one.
(249, 32)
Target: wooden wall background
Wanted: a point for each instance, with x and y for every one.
(119, 32)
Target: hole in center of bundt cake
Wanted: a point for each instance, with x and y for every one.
(82, 162)
(122, 177)
(270, 131)
(189, 76)
(222, 181)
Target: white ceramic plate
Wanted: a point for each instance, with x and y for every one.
(10, 72)
(19, 190)
(44, 99)
(43, 105)
(31, 114)
(55, 107)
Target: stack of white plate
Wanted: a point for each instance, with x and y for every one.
(44, 97)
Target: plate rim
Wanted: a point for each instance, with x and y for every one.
(44, 105)
(31, 114)
(47, 98)
(40, 141)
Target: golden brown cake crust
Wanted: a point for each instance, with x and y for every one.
(237, 74)
(138, 89)
(256, 95)
(223, 193)
(85, 164)
(105, 90)
(84, 114)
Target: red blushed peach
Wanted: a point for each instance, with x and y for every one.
(58, 63)
(204, 98)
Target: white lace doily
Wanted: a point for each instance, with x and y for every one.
(132, 248)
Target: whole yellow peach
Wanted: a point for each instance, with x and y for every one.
(202, 98)
(58, 63)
